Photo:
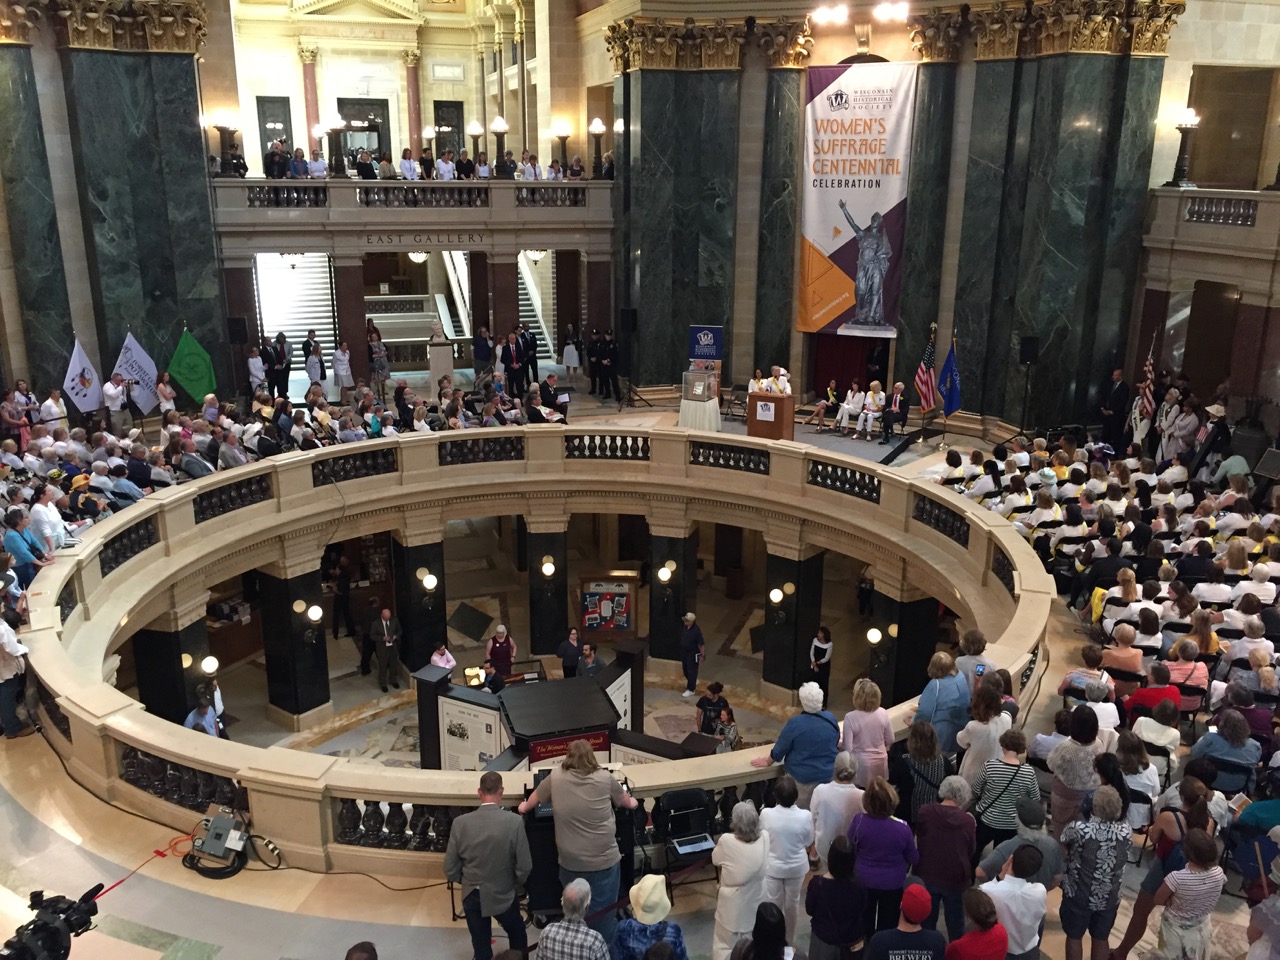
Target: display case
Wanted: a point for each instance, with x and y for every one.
(700, 385)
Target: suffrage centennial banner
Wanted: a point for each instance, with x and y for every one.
(857, 149)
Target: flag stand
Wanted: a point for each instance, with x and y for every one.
(942, 445)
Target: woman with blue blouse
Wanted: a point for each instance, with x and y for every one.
(945, 700)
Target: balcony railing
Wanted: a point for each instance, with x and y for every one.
(1211, 228)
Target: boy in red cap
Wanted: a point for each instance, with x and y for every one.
(909, 941)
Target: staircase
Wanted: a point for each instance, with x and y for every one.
(531, 312)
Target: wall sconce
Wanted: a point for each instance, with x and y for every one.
(561, 130)
(209, 666)
(475, 130)
(429, 583)
(548, 566)
(1186, 126)
(314, 615)
(187, 661)
(776, 596)
(665, 573)
(893, 630)
(418, 256)
(535, 256)
(428, 134)
(830, 15)
(888, 12)
(874, 636)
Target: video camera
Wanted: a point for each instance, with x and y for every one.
(58, 919)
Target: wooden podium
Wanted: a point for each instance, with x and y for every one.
(779, 420)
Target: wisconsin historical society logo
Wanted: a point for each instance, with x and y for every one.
(706, 338)
(838, 100)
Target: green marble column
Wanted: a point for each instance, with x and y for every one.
(144, 198)
(25, 171)
(779, 218)
(926, 213)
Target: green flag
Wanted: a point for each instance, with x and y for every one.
(192, 368)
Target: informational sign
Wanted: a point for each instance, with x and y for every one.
(858, 120)
(620, 693)
(608, 606)
(553, 747)
(470, 735)
(706, 343)
(765, 410)
(621, 754)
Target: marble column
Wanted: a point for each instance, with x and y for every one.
(668, 603)
(568, 267)
(599, 276)
(414, 98)
(621, 265)
(506, 295)
(145, 201)
(791, 623)
(522, 90)
(499, 56)
(165, 687)
(478, 284)
(310, 99)
(935, 36)
(787, 46)
(548, 595)
(482, 93)
(34, 241)
(348, 296)
(421, 611)
(297, 659)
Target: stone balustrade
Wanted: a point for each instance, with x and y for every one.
(349, 217)
(328, 813)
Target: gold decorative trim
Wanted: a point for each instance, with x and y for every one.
(652, 43)
(172, 26)
(1078, 26)
(411, 58)
(786, 43)
(935, 35)
(1150, 26)
(132, 26)
(17, 21)
(307, 53)
(997, 30)
(88, 24)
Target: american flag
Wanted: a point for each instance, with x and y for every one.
(925, 384)
(1147, 405)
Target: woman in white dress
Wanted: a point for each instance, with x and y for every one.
(741, 855)
(482, 166)
(257, 371)
(1181, 433)
(872, 407)
(342, 370)
(315, 366)
(166, 393)
(851, 408)
(570, 359)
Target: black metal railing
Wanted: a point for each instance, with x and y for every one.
(1029, 670)
(49, 704)
(67, 601)
(481, 450)
(846, 480)
(128, 543)
(942, 518)
(727, 456)
(427, 828)
(354, 466)
(231, 497)
(175, 782)
(606, 446)
(1002, 567)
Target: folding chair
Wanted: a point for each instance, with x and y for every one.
(1188, 691)
(1165, 754)
(1140, 799)
(1073, 693)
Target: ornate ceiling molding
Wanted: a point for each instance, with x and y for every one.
(1150, 25)
(17, 20)
(785, 42)
(652, 43)
(935, 34)
(1078, 26)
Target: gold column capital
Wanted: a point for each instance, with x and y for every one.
(654, 43)
(1150, 25)
(1078, 26)
(411, 58)
(17, 20)
(308, 53)
(998, 30)
(172, 26)
(786, 42)
(88, 24)
(935, 34)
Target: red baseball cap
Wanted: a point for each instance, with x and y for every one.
(916, 904)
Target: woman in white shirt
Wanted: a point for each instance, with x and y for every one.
(408, 166)
(420, 420)
(872, 407)
(445, 169)
(987, 485)
(483, 170)
(257, 370)
(851, 407)
(553, 171)
(1046, 511)
(835, 804)
(981, 735)
(1139, 774)
(531, 169)
(1018, 496)
(790, 829)
(342, 370)
(741, 853)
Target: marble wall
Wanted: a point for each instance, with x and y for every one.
(682, 184)
(779, 220)
(144, 197)
(926, 215)
(26, 176)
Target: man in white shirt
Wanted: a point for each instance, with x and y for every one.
(12, 667)
(318, 167)
(1259, 584)
(115, 395)
(53, 412)
(1020, 904)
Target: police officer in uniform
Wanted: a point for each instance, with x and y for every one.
(530, 343)
(609, 372)
(595, 356)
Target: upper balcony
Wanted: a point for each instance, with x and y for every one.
(349, 218)
(1228, 236)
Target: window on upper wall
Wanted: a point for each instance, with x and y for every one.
(1235, 146)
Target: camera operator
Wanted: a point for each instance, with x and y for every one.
(13, 666)
(115, 394)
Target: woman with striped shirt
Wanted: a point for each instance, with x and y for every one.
(1188, 897)
(999, 785)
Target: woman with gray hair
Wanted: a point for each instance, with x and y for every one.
(835, 804)
(945, 836)
(741, 855)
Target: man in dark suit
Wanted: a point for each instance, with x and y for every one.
(609, 363)
(530, 344)
(550, 391)
(1115, 411)
(270, 364)
(385, 634)
(595, 357)
(512, 357)
(1198, 564)
(284, 364)
(488, 854)
(493, 682)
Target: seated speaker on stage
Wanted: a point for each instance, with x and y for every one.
(895, 411)
(850, 408)
(872, 407)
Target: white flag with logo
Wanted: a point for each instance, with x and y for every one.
(135, 364)
(82, 386)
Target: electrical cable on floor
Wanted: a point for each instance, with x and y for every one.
(1025, 711)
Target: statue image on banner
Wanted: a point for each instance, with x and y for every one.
(874, 254)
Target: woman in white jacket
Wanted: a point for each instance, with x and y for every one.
(741, 855)
(851, 407)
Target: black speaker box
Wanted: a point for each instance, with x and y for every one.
(1030, 352)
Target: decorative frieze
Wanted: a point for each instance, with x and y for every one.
(785, 42)
(1150, 26)
(1078, 26)
(653, 43)
(935, 34)
(17, 21)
